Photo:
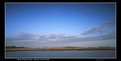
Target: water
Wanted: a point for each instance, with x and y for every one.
(62, 54)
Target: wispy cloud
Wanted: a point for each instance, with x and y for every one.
(21, 36)
(56, 38)
(104, 28)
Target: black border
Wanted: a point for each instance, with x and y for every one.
(2, 31)
(61, 0)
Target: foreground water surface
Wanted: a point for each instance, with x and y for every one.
(62, 54)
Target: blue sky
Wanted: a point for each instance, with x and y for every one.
(47, 19)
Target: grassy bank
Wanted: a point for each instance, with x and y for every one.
(55, 49)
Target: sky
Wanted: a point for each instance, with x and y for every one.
(58, 25)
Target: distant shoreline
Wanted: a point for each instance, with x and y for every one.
(55, 49)
(48, 50)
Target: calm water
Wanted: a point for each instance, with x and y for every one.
(62, 54)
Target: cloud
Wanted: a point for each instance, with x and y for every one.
(104, 31)
(54, 40)
(104, 28)
(59, 38)
(21, 36)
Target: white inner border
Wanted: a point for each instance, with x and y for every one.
(62, 3)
